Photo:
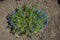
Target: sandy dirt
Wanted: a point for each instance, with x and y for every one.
(52, 32)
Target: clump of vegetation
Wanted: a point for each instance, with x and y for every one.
(28, 20)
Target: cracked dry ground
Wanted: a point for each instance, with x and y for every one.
(52, 32)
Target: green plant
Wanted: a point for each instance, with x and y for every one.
(28, 20)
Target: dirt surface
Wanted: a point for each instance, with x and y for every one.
(52, 32)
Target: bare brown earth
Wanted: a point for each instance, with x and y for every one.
(52, 32)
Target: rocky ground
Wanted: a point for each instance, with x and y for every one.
(52, 32)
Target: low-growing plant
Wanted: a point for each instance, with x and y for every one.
(28, 20)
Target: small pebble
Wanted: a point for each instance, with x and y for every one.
(17, 36)
(46, 7)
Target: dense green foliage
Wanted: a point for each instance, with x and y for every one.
(28, 20)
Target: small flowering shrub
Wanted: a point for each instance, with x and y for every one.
(27, 20)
